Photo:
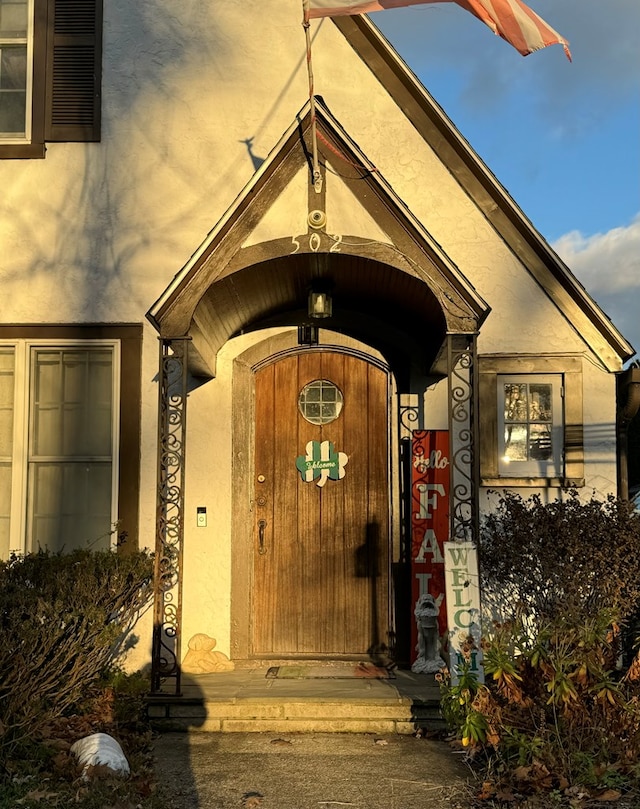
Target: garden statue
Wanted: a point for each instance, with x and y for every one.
(201, 659)
(428, 646)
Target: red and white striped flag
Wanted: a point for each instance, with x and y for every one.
(510, 19)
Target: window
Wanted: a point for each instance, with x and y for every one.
(530, 426)
(62, 438)
(50, 72)
(16, 45)
(320, 402)
(531, 422)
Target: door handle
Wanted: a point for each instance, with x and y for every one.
(262, 524)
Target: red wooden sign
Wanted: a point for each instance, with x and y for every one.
(429, 522)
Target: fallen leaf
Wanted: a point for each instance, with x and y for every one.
(381, 742)
(487, 792)
(505, 795)
(609, 795)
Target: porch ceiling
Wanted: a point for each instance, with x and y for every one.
(390, 310)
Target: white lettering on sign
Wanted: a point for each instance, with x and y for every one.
(463, 609)
(425, 500)
(430, 545)
(423, 582)
(436, 460)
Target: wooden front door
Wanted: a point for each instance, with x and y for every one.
(320, 579)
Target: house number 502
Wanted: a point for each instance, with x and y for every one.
(315, 242)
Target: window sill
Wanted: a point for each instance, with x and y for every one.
(21, 151)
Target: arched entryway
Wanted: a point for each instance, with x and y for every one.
(312, 569)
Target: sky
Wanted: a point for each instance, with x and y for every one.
(562, 137)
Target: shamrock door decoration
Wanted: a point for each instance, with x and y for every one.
(321, 462)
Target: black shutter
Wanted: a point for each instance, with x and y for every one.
(74, 70)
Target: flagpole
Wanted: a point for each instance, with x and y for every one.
(317, 176)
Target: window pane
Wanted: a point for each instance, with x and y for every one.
(515, 402)
(6, 403)
(5, 509)
(100, 386)
(540, 446)
(320, 402)
(13, 19)
(515, 443)
(72, 403)
(70, 505)
(7, 365)
(13, 106)
(47, 422)
(540, 403)
(13, 68)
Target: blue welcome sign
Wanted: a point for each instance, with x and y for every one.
(321, 462)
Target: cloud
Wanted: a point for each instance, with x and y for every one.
(605, 262)
(608, 265)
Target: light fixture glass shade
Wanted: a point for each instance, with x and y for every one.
(319, 304)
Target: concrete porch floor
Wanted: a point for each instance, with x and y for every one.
(247, 700)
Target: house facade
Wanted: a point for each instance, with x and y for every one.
(231, 314)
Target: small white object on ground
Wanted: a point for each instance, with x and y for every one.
(100, 749)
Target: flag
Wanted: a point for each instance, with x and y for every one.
(510, 19)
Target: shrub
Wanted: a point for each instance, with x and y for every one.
(558, 709)
(567, 558)
(64, 621)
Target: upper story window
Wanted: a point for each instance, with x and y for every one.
(16, 59)
(50, 74)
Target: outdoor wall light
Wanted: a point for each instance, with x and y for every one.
(307, 335)
(319, 304)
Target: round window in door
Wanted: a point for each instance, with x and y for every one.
(320, 402)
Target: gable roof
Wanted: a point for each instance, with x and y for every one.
(491, 198)
(410, 284)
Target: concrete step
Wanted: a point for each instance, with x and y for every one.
(248, 700)
(294, 715)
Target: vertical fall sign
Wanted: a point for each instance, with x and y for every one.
(429, 523)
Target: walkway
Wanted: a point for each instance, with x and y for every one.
(310, 771)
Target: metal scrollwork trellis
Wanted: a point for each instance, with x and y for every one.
(172, 411)
(463, 436)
